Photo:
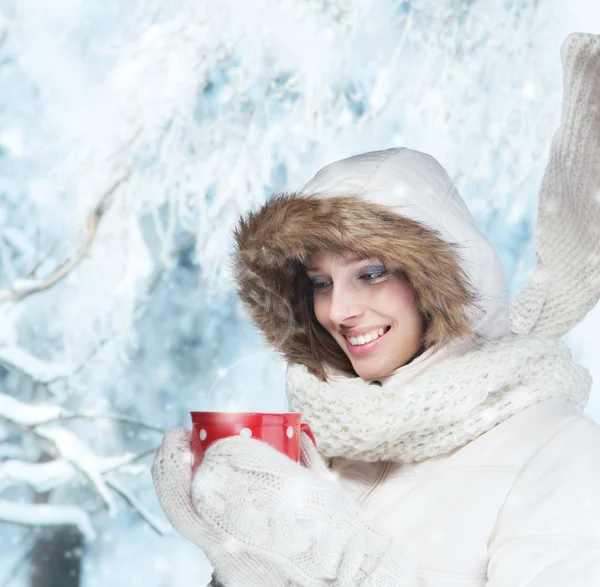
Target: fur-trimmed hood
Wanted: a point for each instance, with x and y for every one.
(398, 205)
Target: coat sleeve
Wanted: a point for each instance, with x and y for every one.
(566, 281)
(548, 531)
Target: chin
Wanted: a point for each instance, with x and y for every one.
(365, 371)
(371, 373)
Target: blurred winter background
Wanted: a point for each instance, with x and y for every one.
(132, 136)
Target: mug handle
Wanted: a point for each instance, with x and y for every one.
(304, 427)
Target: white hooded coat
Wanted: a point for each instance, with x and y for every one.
(519, 506)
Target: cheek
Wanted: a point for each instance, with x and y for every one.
(403, 304)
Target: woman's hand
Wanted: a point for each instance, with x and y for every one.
(172, 475)
(262, 519)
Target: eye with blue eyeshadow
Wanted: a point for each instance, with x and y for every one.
(369, 274)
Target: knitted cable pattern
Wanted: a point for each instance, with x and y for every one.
(448, 405)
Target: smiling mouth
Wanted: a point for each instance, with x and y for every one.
(367, 344)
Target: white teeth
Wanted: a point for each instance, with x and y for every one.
(365, 338)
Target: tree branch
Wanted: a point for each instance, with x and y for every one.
(45, 258)
(3, 34)
(17, 294)
(189, 238)
(34, 515)
(115, 417)
(12, 575)
(31, 415)
(157, 525)
(48, 475)
(130, 459)
(61, 442)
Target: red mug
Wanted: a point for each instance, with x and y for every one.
(281, 431)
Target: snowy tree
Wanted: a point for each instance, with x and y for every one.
(132, 136)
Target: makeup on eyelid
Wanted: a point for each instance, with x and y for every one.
(362, 271)
(323, 287)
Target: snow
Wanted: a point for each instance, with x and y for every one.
(77, 452)
(38, 476)
(36, 368)
(30, 514)
(27, 414)
(205, 108)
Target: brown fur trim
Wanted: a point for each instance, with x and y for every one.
(274, 244)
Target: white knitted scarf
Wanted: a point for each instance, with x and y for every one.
(445, 407)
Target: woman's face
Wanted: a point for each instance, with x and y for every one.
(360, 300)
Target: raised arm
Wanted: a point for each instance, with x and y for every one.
(566, 281)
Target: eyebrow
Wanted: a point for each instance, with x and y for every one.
(347, 262)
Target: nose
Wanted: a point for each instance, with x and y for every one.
(345, 305)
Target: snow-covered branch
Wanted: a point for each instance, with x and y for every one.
(155, 523)
(25, 414)
(38, 476)
(81, 456)
(73, 454)
(28, 287)
(58, 472)
(29, 514)
(3, 30)
(115, 417)
(39, 370)
(43, 477)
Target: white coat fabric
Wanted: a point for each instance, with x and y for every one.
(517, 507)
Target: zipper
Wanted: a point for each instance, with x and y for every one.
(378, 481)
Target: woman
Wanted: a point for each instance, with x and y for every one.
(452, 446)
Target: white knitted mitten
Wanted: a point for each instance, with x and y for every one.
(262, 519)
(565, 283)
